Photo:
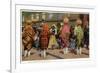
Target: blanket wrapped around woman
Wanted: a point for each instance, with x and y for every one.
(44, 37)
(27, 37)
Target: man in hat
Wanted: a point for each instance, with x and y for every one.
(27, 37)
(78, 31)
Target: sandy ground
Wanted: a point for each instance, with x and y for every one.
(55, 54)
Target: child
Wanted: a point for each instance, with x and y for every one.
(78, 31)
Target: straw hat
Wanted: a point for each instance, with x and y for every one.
(79, 21)
(66, 20)
(29, 22)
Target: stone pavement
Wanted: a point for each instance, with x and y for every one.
(55, 54)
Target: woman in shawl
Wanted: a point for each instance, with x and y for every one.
(44, 35)
(65, 32)
(53, 41)
(78, 31)
(27, 38)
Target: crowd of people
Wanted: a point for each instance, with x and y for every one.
(57, 36)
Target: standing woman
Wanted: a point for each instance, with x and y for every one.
(27, 37)
(65, 32)
(44, 39)
(78, 31)
(53, 41)
(86, 35)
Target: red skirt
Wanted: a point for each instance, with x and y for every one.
(43, 43)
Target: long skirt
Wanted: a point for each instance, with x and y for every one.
(43, 43)
(65, 41)
(52, 42)
(27, 42)
(79, 43)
